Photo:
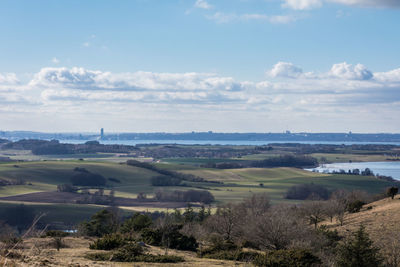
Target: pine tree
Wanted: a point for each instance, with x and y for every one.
(359, 251)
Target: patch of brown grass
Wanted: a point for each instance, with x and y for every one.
(381, 220)
(39, 252)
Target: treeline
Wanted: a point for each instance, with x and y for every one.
(294, 161)
(4, 182)
(201, 196)
(330, 148)
(54, 147)
(365, 172)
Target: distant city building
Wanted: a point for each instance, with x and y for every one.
(101, 133)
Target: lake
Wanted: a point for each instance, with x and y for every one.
(387, 168)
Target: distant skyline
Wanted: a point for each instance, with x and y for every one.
(200, 65)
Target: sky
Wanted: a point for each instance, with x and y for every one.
(200, 65)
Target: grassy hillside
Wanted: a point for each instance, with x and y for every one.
(46, 175)
(381, 222)
(237, 183)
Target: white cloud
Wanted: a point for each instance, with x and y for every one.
(202, 4)
(286, 70)
(390, 76)
(254, 16)
(282, 19)
(318, 96)
(80, 78)
(8, 78)
(310, 4)
(348, 71)
(302, 4)
(220, 17)
(86, 44)
(369, 3)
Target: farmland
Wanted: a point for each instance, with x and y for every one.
(34, 178)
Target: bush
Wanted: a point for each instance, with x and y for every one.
(101, 256)
(176, 239)
(137, 222)
(109, 242)
(354, 206)
(66, 188)
(233, 255)
(102, 223)
(290, 257)
(152, 236)
(55, 233)
(392, 191)
(133, 253)
(159, 258)
(217, 246)
(331, 237)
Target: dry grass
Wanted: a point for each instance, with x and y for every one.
(381, 223)
(382, 218)
(40, 252)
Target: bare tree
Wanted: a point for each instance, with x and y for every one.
(338, 204)
(314, 211)
(166, 226)
(256, 205)
(276, 229)
(225, 222)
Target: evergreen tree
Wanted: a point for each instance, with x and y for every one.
(189, 214)
(201, 216)
(359, 251)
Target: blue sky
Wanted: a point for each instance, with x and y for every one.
(221, 65)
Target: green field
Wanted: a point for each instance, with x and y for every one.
(338, 157)
(237, 183)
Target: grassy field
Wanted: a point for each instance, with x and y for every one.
(240, 183)
(46, 175)
(337, 157)
(42, 176)
(237, 183)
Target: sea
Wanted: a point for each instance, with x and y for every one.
(387, 168)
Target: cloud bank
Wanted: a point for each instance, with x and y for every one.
(288, 93)
(311, 4)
